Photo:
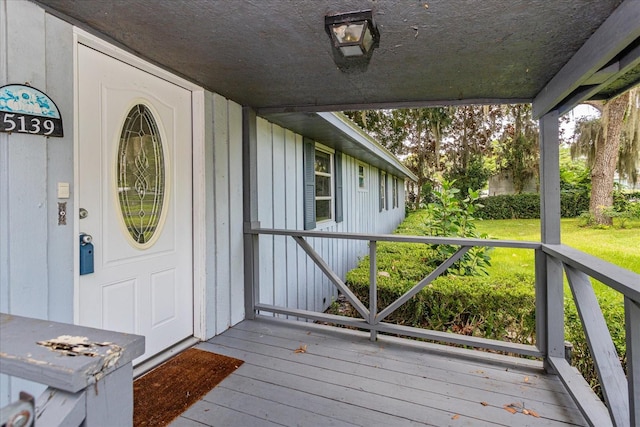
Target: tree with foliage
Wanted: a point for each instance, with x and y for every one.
(414, 132)
(516, 150)
(455, 141)
(470, 134)
(468, 144)
(611, 142)
(386, 126)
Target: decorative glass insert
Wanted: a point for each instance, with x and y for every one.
(141, 174)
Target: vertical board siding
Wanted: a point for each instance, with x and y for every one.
(287, 276)
(221, 227)
(265, 209)
(235, 206)
(225, 275)
(278, 207)
(36, 254)
(59, 48)
(289, 209)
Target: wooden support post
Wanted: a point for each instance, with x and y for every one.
(94, 379)
(373, 288)
(250, 211)
(110, 401)
(550, 233)
(541, 301)
(550, 179)
(632, 321)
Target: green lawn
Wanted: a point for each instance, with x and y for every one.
(618, 246)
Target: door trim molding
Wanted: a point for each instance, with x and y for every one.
(198, 166)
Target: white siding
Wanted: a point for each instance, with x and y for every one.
(224, 247)
(36, 254)
(287, 276)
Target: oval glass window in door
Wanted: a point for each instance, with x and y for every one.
(141, 176)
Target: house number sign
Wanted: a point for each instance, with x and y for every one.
(24, 109)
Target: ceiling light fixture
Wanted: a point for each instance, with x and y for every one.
(354, 35)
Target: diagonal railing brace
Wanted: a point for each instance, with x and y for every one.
(605, 356)
(424, 282)
(364, 312)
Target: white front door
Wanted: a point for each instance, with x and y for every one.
(134, 186)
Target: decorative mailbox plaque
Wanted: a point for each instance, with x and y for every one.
(24, 109)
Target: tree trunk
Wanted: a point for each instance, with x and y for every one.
(606, 157)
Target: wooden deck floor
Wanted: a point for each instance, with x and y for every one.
(344, 379)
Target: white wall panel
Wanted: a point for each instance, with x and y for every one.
(36, 254)
(224, 247)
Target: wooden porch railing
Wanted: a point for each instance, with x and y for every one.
(88, 371)
(621, 392)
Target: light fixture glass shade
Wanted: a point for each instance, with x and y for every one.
(354, 38)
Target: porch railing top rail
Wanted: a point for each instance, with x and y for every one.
(459, 241)
(35, 350)
(624, 281)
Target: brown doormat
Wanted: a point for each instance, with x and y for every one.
(164, 393)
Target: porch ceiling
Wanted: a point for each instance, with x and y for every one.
(276, 57)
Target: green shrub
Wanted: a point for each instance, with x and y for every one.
(527, 206)
(613, 312)
(510, 206)
(450, 216)
(470, 305)
(573, 203)
(632, 196)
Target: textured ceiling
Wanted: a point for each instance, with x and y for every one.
(276, 54)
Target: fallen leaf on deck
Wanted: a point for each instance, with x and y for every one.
(484, 403)
(301, 349)
(526, 412)
(533, 413)
(510, 409)
(526, 379)
(455, 417)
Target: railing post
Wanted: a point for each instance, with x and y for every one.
(555, 310)
(373, 288)
(632, 322)
(550, 234)
(541, 301)
(250, 211)
(89, 371)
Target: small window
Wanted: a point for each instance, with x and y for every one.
(383, 190)
(395, 192)
(362, 177)
(322, 182)
(324, 185)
